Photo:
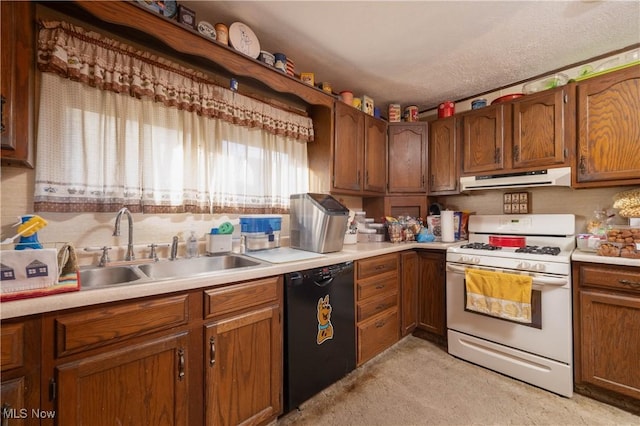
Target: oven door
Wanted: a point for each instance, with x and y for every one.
(551, 303)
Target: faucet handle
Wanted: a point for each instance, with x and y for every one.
(104, 259)
(152, 253)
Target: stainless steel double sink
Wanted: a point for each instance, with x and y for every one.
(108, 276)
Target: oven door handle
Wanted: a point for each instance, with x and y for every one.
(538, 280)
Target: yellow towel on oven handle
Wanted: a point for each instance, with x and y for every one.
(499, 294)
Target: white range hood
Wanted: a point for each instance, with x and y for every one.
(560, 176)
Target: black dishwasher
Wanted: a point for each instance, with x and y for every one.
(320, 331)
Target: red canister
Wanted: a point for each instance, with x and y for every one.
(411, 113)
(446, 109)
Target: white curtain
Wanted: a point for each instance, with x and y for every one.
(119, 127)
(99, 150)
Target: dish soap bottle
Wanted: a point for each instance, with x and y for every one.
(192, 245)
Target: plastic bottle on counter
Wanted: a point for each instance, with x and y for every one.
(192, 245)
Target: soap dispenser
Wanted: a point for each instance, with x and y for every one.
(192, 245)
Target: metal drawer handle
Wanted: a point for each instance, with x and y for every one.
(380, 286)
(380, 323)
(212, 351)
(632, 284)
(180, 364)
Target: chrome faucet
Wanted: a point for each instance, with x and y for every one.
(116, 231)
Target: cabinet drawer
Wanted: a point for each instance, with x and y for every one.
(12, 349)
(611, 277)
(220, 301)
(373, 307)
(377, 265)
(377, 334)
(377, 286)
(98, 327)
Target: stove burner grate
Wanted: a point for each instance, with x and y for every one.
(553, 251)
(481, 246)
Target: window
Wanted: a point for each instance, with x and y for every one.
(119, 127)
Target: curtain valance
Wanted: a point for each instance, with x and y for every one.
(93, 59)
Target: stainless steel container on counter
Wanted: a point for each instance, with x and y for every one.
(318, 223)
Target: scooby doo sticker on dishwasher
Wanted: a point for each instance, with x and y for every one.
(325, 329)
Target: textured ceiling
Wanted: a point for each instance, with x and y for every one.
(425, 52)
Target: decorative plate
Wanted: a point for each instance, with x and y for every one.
(170, 8)
(207, 30)
(244, 40)
(167, 8)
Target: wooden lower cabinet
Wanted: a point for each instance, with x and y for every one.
(243, 354)
(409, 263)
(20, 364)
(144, 384)
(607, 333)
(432, 311)
(377, 305)
(203, 357)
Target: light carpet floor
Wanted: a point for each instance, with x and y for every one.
(417, 383)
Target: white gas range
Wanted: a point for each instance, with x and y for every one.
(540, 246)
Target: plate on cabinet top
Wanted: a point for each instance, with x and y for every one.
(207, 30)
(167, 8)
(244, 40)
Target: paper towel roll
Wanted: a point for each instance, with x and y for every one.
(448, 234)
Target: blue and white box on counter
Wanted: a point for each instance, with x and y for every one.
(260, 231)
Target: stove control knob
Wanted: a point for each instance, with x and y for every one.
(524, 265)
(465, 259)
(475, 260)
(539, 267)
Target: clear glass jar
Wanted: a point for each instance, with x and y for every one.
(597, 224)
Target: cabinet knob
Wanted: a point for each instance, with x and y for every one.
(582, 166)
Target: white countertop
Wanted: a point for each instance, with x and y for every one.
(584, 256)
(81, 298)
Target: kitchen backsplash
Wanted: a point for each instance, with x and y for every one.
(95, 229)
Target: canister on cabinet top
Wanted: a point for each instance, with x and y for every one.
(478, 103)
(411, 113)
(446, 109)
(222, 33)
(394, 113)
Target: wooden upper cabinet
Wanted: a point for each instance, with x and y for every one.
(407, 158)
(17, 81)
(443, 157)
(359, 154)
(375, 154)
(483, 139)
(539, 129)
(349, 146)
(608, 129)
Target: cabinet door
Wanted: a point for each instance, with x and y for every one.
(611, 341)
(243, 364)
(375, 155)
(143, 384)
(608, 117)
(483, 140)
(16, 85)
(409, 292)
(443, 157)
(407, 159)
(349, 148)
(431, 293)
(20, 364)
(538, 129)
